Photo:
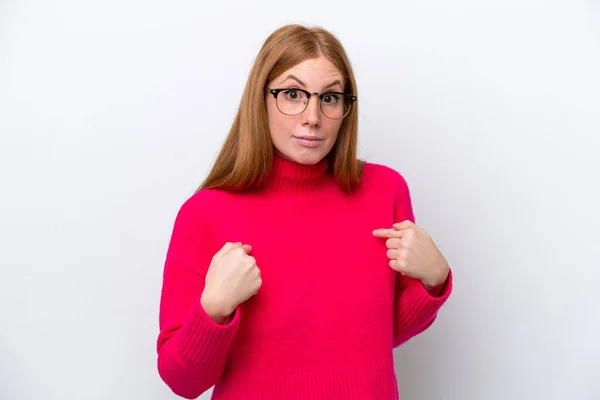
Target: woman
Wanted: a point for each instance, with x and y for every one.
(296, 269)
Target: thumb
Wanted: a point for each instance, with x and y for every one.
(227, 247)
(403, 225)
(247, 248)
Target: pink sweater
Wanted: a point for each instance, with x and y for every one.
(330, 310)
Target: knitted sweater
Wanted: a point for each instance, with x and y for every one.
(330, 310)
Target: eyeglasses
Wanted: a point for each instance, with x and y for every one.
(334, 105)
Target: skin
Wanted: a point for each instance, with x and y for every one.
(315, 75)
(412, 252)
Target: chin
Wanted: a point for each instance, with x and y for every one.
(306, 159)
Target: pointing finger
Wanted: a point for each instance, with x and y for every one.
(387, 233)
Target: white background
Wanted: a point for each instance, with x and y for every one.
(111, 113)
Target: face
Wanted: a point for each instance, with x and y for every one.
(308, 137)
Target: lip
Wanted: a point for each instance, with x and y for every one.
(307, 137)
(308, 141)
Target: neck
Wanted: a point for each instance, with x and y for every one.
(293, 177)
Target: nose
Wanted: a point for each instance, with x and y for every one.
(312, 115)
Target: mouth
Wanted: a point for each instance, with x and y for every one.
(308, 141)
(308, 137)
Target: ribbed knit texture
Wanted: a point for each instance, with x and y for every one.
(330, 310)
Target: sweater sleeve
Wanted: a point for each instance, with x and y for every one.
(192, 348)
(415, 309)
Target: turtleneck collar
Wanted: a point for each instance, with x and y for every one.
(290, 176)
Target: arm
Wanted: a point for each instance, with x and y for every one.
(415, 309)
(415, 306)
(192, 347)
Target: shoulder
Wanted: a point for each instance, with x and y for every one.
(192, 240)
(383, 177)
(202, 205)
(389, 184)
(196, 221)
(205, 198)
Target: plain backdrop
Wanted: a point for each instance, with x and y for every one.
(111, 113)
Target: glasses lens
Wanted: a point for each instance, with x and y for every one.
(294, 102)
(334, 105)
(291, 102)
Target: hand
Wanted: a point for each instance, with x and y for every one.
(232, 278)
(412, 252)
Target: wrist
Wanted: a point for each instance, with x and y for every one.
(436, 280)
(215, 308)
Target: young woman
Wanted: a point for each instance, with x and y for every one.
(296, 269)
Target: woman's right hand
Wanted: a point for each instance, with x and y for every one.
(232, 278)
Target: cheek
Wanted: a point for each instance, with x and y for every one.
(332, 128)
(279, 124)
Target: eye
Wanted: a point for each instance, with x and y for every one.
(292, 94)
(330, 98)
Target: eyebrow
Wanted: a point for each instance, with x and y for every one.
(332, 84)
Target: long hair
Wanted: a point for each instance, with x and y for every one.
(246, 156)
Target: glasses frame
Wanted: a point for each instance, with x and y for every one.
(349, 97)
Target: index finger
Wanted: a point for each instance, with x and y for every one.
(387, 233)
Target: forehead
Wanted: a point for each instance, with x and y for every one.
(312, 72)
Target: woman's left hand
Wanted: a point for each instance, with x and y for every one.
(412, 252)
